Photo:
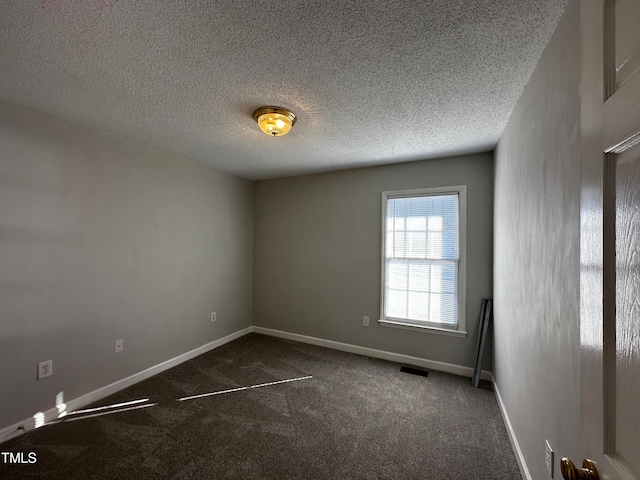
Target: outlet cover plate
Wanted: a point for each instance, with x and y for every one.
(118, 346)
(548, 458)
(45, 369)
(365, 321)
(213, 316)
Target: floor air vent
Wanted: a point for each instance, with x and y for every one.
(414, 371)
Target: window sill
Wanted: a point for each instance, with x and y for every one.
(423, 328)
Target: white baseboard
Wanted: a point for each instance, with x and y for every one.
(512, 434)
(79, 402)
(371, 352)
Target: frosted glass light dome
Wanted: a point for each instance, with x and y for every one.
(274, 121)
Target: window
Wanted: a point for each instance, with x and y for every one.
(423, 259)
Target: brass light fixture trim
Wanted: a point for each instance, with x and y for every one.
(274, 121)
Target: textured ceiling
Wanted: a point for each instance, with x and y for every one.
(372, 82)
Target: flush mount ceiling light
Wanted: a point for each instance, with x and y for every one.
(274, 121)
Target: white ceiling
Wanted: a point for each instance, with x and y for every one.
(372, 82)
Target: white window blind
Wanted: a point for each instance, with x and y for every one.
(421, 259)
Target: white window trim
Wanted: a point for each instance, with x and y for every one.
(461, 191)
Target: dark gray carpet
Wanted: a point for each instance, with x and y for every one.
(357, 418)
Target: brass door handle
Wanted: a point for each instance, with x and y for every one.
(570, 472)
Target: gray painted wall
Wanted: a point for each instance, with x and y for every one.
(317, 254)
(102, 238)
(536, 270)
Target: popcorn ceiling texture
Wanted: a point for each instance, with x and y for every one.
(409, 80)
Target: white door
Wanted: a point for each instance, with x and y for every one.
(610, 239)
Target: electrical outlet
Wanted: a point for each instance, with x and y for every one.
(45, 369)
(365, 321)
(118, 346)
(548, 458)
(213, 316)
